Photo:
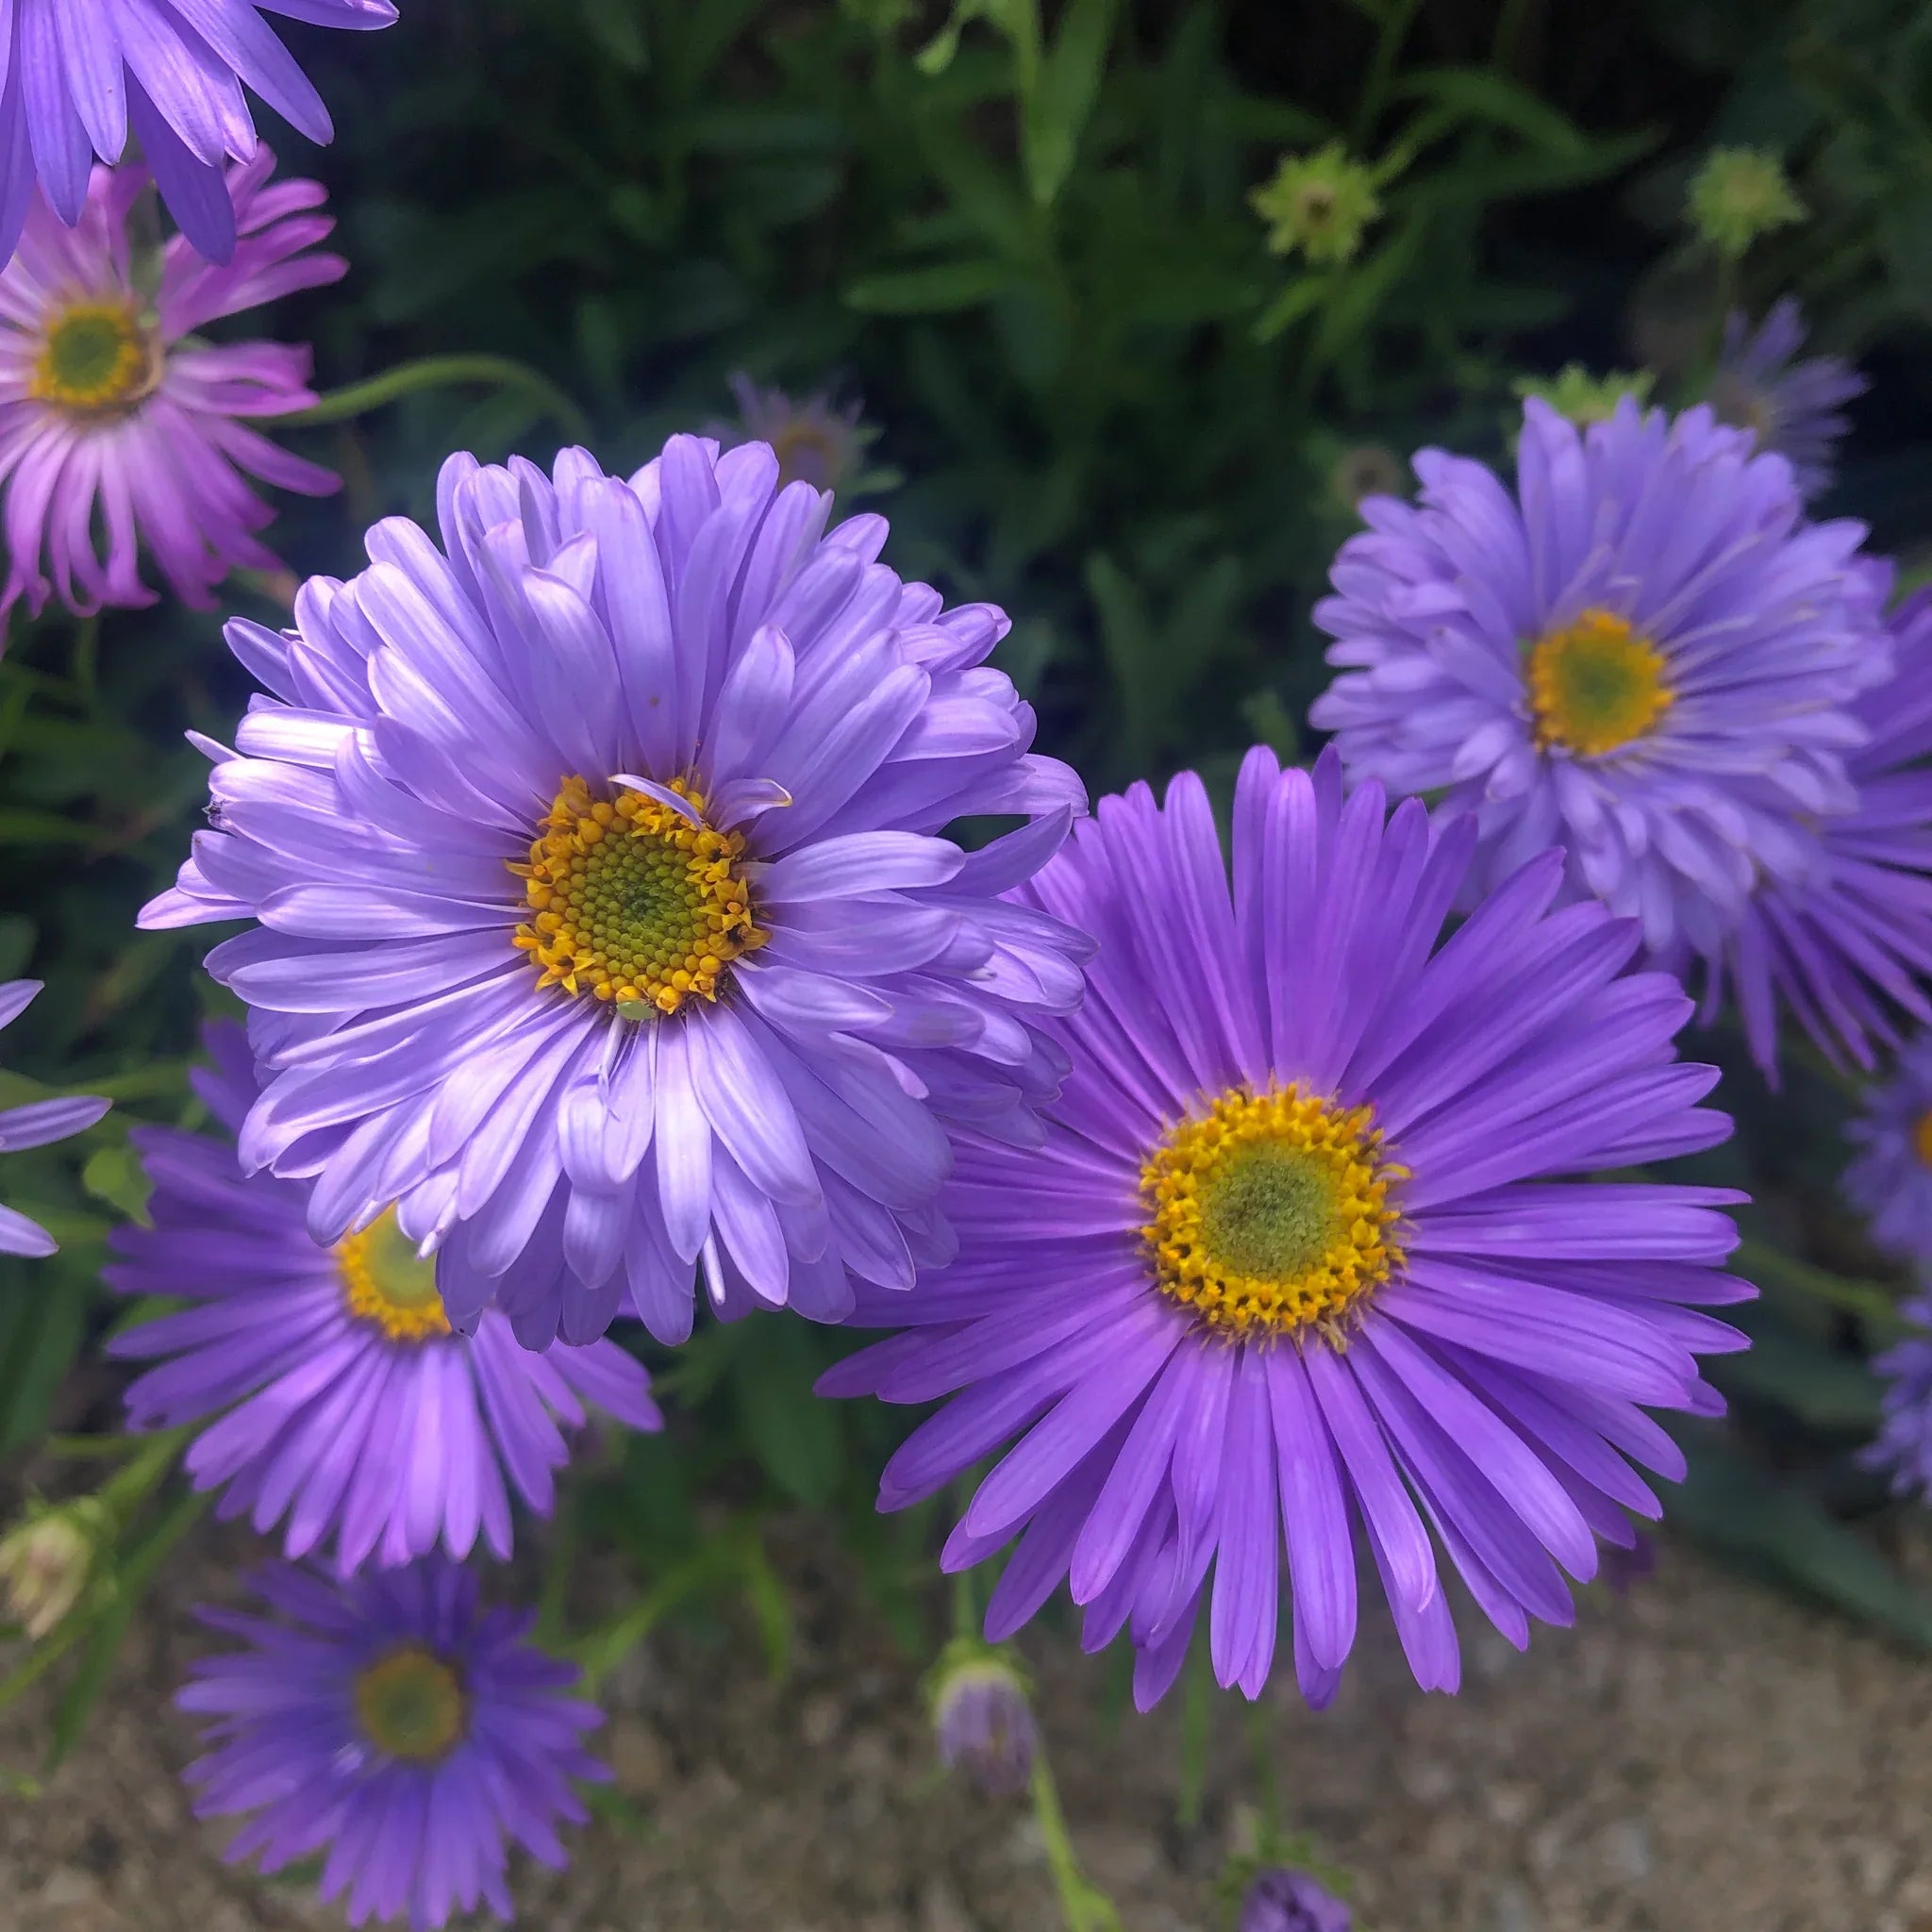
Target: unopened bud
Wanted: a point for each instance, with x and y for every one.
(984, 1723)
(1321, 204)
(1738, 194)
(45, 1563)
(1284, 1901)
(1585, 398)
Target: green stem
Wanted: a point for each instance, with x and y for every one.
(131, 1486)
(1375, 95)
(558, 1563)
(87, 657)
(440, 372)
(1083, 1906)
(1197, 1718)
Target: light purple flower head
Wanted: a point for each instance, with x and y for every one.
(34, 1125)
(608, 927)
(1794, 407)
(393, 1729)
(86, 77)
(1645, 655)
(1904, 1435)
(1316, 1247)
(1890, 1181)
(1848, 952)
(1284, 1901)
(334, 1392)
(119, 427)
(984, 1722)
(815, 441)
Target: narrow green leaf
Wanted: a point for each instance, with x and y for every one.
(793, 1434)
(1057, 110)
(937, 290)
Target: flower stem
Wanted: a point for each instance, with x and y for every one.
(440, 372)
(1083, 1906)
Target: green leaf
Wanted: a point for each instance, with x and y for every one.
(1823, 1387)
(1057, 110)
(937, 290)
(1778, 1531)
(1483, 94)
(1295, 302)
(618, 28)
(114, 1175)
(793, 1433)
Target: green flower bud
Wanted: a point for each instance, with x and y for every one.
(1320, 203)
(1586, 399)
(1738, 194)
(46, 1562)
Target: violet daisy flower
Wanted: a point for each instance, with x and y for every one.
(607, 929)
(396, 1730)
(1316, 1243)
(1890, 1181)
(1794, 407)
(77, 81)
(982, 1721)
(334, 1392)
(1904, 1435)
(1645, 655)
(118, 426)
(35, 1125)
(1850, 950)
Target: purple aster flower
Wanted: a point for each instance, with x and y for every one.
(390, 1726)
(1645, 655)
(608, 929)
(1849, 950)
(1904, 1434)
(1316, 1245)
(334, 1392)
(1284, 1901)
(35, 1125)
(1795, 408)
(984, 1722)
(1891, 1182)
(118, 426)
(814, 442)
(77, 81)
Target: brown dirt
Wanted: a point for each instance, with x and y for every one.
(1699, 1756)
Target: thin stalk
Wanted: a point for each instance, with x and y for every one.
(1083, 1906)
(440, 371)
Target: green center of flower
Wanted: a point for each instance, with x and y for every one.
(95, 356)
(410, 1704)
(1596, 685)
(386, 1281)
(1271, 1212)
(634, 901)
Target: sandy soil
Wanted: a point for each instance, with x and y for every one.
(1697, 1757)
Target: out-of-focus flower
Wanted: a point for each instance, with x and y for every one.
(1645, 655)
(1903, 1445)
(1284, 1901)
(608, 926)
(35, 1125)
(1584, 398)
(1366, 469)
(815, 441)
(1738, 194)
(1890, 1181)
(983, 1720)
(1320, 203)
(48, 1560)
(1847, 951)
(85, 78)
(119, 427)
(391, 1727)
(333, 1390)
(1316, 1245)
(1793, 405)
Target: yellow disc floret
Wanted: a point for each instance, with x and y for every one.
(1270, 1214)
(387, 1282)
(1596, 685)
(410, 1705)
(95, 358)
(634, 901)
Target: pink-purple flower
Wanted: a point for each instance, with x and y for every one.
(35, 1125)
(122, 429)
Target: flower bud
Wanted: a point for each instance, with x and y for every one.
(1284, 1901)
(1320, 203)
(45, 1562)
(984, 1723)
(1738, 194)
(1585, 398)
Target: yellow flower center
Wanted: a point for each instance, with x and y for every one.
(634, 902)
(410, 1705)
(1596, 685)
(1922, 1137)
(1270, 1213)
(387, 1282)
(95, 358)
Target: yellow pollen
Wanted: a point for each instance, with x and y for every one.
(1596, 685)
(631, 902)
(96, 357)
(410, 1704)
(1922, 1137)
(1271, 1214)
(387, 1282)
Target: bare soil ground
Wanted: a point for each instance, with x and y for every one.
(1697, 1757)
